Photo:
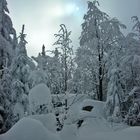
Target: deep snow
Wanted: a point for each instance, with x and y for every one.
(94, 127)
(29, 129)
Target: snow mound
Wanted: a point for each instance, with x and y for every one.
(98, 107)
(48, 121)
(28, 129)
(76, 111)
(39, 95)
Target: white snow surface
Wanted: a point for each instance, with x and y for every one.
(29, 129)
(94, 127)
(69, 132)
(126, 134)
(39, 95)
(48, 121)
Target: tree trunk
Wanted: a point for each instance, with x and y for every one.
(100, 80)
(2, 63)
(65, 78)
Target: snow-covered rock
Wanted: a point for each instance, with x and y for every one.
(76, 111)
(98, 107)
(29, 129)
(40, 98)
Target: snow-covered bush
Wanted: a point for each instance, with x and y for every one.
(40, 101)
(37, 77)
(1, 117)
(85, 109)
(132, 118)
(133, 107)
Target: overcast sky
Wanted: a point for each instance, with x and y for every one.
(43, 17)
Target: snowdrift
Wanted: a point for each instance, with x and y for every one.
(28, 129)
(126, 134)
(48, 121)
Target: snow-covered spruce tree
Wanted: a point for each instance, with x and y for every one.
(115, 95)
(39, 75)
(7, 35)
(6, 99)
(136, 27)
(50, 69)
(66, 57)
(78, 84)
(99, 34)
(22, 64)
(130, 71)
(116, 84)
(20, 70)
(131, 63)
(55, 73)
(133, 108)
(7, 44)
(42, 59)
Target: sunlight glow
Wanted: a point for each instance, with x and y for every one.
(70, 8)
(57, 10)
(61, 10)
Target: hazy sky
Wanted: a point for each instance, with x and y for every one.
(43, 17)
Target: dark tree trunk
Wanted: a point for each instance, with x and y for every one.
(1, 63)
(100, 85)
(100, 80)
(65, 78)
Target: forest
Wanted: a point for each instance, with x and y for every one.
(64, 94)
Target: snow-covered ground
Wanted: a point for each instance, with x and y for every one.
(126, 134)
(29, 129)
(48, 121)
(94, 126)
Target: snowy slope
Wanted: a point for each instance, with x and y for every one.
(28, 129)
